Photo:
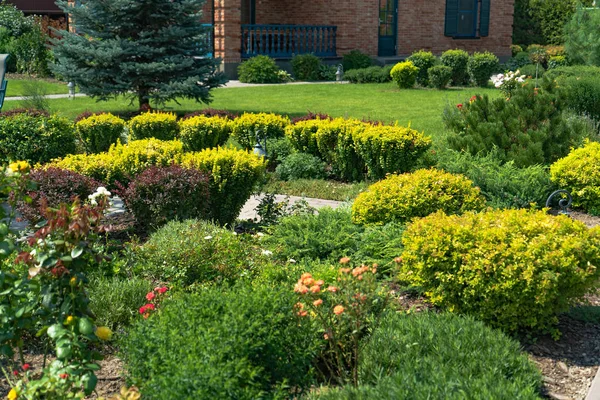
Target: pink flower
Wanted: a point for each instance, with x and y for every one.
(162, 289)
(150, 296)
(26, 367)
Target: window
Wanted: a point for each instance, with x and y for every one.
(467, 18)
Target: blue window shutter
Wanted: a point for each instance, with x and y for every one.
(451, 25)
(484, 25)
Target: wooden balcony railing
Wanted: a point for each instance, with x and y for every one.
(285, 41)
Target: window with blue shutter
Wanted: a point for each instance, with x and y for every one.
(467, 18)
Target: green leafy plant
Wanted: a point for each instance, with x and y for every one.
(439, 76)
(248, 128)
(306, 67)
(372, 74)
(404, 197)
(99, 132)
(300, 166)
(404, 74)
(495, 264)
(481, 66)
(161, 126)
(457, 60)
(259, 69)
(356, 59)
(423, 60)
(201, 132)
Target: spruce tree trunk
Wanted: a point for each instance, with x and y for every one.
(144, 99)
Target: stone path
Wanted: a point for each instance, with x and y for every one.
(248, 211)
(228, 85)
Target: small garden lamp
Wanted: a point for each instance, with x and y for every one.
(71, 87)
(260, 149)
(339, 74)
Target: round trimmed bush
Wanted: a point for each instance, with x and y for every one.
(423, 60)
(579, 173)
(404, 74)
(440, 356)
(356, 59)
(306, 67)
(481, 67)
(98, 132)
(201, 132)
(300, 166)
(55, 186)
(259, 69)
(418, 194)
(514, 269)
(248, 127)
(190, 252)
(157, 125)
(457, 60)
(439, 76)
(161, 194)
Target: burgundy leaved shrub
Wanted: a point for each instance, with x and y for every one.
(310, 116)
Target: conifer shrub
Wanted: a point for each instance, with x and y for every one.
(423, 60)
(457, 60)
(161, 194)
(248, 128)
(513, 269)
(99, 132)
(403, 197)
(440, 356)
(156, 125)
(404, 74)
(201, 132)
(241, 343)
(529, 128)
(579, 173)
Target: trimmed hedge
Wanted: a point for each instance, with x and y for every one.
(404, 74)
(513, 269)
(248, 127)
(403, 197)
(99, 132)
(156, 125)
(201, 132)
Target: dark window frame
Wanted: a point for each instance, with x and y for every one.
(474, 11)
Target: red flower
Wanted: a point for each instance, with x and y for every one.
(162, 289)
(150, 296)
(142, 309)
(64, 376)
(26, 367)
(150, 307)
(15, 372)
(459, 106)
(473, 98)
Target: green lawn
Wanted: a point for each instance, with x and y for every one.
(18, 87)
(422, 108)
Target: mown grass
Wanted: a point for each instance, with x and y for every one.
(19, 86)
(421, 108)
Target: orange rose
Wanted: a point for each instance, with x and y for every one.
(317, 303)
(337, 310)
(344, 260)
(315, 289)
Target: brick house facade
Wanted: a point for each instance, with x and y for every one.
(401, 26)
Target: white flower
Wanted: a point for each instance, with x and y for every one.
(267, 253)
(292, 261)
(208, 237)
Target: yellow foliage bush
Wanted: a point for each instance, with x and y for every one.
(99, 132)
(514, 269)
(156, 125)
(246, 127)
(202, 132)
(403, 197)
(579, 173)
(234, 174)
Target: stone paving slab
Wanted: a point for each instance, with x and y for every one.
(248, 211)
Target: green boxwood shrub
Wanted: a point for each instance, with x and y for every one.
(201, 132)
(99, 132)
(513, 269)
(579, 173)
(372, 74)
(35, 138)
(259, 69)
(439, 76)
(244, 343)
(306, 67)
(248, 127)
(184, 253)
(300, 166)
(404, 74)
(423, 60)
(440, 356)
(161, 194)
(156, 125)
(457, 60)
(356, 59)
(557, 61)
(403, 197)
(518, 61)
(481, 67)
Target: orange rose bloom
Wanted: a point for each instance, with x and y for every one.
(302, 313)
(300, 288)
(337, 310)
(317, 303)
(308, 281)
(332, 289)
(315, 289)
(319, 282)
(344, 260)
(305, 275)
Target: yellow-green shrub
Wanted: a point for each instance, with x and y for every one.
(390, 149)
(579, 173)
(302, 135)
(157, 125)
(336, 143)
(123, 161)
(98, 132)
(234, 175)
(247, 127)
(404, 74)
(514, 269)
(403, 197)
(201, 132)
